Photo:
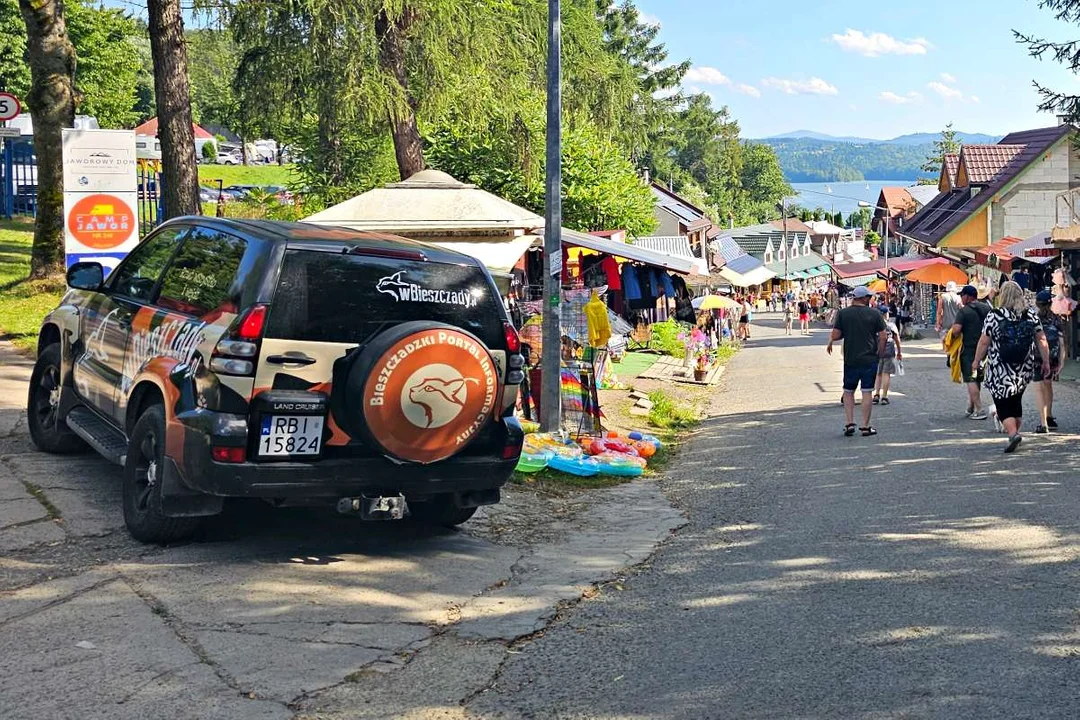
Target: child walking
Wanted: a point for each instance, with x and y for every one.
(789, 317)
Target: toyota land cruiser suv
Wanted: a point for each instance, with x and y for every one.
(290, 362)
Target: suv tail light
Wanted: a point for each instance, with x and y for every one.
(513, 340)
(237, 349)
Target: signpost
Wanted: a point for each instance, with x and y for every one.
(10, 108)
(101, 191)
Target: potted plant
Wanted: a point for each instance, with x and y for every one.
(698, 345)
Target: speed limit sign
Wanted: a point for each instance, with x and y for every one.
(9, 106)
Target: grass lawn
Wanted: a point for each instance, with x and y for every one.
(245, 175)
(23, 303)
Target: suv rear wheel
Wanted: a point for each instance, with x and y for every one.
(47, 429)
(440, 510)
(142, 483)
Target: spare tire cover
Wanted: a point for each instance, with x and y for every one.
(422, 391)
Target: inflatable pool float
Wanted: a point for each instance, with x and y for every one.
(529, 426)
(531, 462)
(575, 465)
(612, 463)
(597, 446)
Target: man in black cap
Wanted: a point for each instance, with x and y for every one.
(969, 325)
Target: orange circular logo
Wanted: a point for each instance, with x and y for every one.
(429, 394)
(101, 221)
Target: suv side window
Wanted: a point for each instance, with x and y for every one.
(139, 273)
(202, 277)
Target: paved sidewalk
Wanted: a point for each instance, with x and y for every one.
(917, 574)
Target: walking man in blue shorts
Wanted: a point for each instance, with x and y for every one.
(864, 334)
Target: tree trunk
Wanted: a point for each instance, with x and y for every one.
(179, 171)
(408, 147)
(52, 107)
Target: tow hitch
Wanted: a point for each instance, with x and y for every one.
(377, 507)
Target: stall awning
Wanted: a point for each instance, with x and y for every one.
(906, 264)
(627, 251)
(858, 280)
(499, 256)
(757, 276)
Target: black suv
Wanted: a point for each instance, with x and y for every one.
(291, 362)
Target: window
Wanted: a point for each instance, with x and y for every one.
(331, 297)
(202, 276)
(139, 273)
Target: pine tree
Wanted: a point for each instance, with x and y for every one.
(947, 144)
(1064, 53)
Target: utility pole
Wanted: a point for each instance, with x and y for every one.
(783, 209)
(551, 355)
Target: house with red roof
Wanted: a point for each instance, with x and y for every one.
(1005, 190)
(149, 129)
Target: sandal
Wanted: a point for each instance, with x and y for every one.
(877, 399)
(868, 431)
(849, 429)
(884, 401)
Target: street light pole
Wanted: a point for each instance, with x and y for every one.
(783, 209)
(551, 353)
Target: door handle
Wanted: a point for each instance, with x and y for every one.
(291, 359)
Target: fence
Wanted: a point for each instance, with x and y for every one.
(18, 185)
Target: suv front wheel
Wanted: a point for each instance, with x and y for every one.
(142, 483)
(47, 429)
(440, 510)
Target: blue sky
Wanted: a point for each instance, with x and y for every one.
(874, 70)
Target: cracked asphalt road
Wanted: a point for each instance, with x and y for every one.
(918, 574)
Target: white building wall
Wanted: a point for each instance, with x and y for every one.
(1030, 207)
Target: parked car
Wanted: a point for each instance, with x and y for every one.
(210, 194)
(240, 192)
(283, 361)
(228, 159)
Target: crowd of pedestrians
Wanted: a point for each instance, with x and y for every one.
(1004, 346)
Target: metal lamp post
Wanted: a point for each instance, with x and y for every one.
(551, 353)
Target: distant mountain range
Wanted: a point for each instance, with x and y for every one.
(808, 156)
(912, 139)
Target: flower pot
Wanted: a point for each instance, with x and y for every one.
(700, 375)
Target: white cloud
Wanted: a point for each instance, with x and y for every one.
(648, 19)
(945, 91)
(877, 43)
(974, 99)
(948, 78)
(706, 76)
(748, 90)
(813, 86)
(891, 97)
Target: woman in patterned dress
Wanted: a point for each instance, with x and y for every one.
(1006, 380)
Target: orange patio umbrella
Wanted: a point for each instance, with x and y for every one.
(878, 286)
(938, 274)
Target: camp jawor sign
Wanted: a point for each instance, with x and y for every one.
(101, 221)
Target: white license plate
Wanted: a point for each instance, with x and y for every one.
(284, 435)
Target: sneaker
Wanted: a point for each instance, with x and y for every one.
(1051, 422)
(1014, 442)
(978, 415)
(1042, 430)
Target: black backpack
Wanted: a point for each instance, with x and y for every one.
(1016, 338)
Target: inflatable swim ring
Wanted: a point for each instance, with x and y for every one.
(534, 461)
(619, 464)
(575, 465)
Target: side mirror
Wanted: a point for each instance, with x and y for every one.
(86, 276)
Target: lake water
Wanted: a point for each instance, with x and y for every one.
(842, 196)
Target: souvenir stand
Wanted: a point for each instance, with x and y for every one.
(604, 295)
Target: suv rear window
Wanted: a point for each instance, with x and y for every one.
(332, 297)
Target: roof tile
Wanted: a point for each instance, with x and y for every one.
(984, 163)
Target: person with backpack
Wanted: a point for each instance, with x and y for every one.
(1044, 384)
(889, 363)
(969, 325)
(804, 315)
(1011, 335)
